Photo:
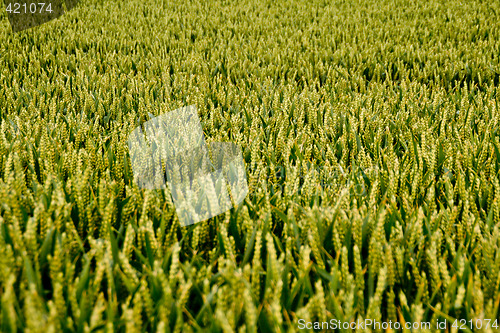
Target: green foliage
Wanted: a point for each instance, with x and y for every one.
(370, 133)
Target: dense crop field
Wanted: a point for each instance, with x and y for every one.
(370, 131)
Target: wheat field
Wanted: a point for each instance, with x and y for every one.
(370, 134)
